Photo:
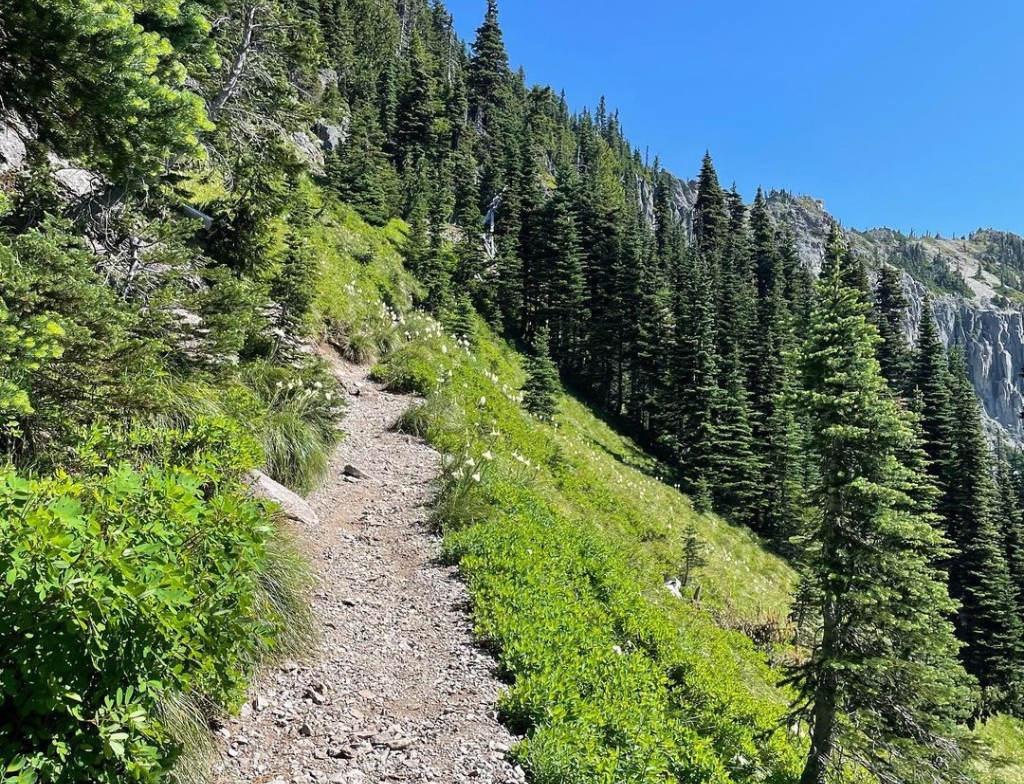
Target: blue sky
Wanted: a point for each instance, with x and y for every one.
(903, 113)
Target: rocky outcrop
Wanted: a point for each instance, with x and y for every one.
(992, 339)
(982, 322)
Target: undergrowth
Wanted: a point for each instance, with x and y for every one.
(565, 536)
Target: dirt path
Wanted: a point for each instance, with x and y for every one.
(398, 692)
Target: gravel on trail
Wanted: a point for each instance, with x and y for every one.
(398, 691)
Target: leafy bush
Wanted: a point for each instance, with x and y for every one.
(125, 588)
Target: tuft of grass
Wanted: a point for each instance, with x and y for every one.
(299, 424)
(286, 582)
(187, 719)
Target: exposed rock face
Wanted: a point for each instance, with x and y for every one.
(993, 340)
(12, 148)
(981, 321)
(682, 199)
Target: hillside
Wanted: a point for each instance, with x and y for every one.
(712, 472)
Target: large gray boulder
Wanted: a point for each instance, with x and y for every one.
(293, 506)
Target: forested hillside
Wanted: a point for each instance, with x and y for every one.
(195, 194)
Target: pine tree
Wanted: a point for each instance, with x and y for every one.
(778, 506)
(882, 681)
(413, 134)
(1011, 521)
(890, 313)
(930, 377)
(489, 77)
(710, 212)
(988, 622)
(693, 396)
(360, 172)
(542, 388)
(693, 554)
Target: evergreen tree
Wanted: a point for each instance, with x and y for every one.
(693, 397)
(1011, 520)
(710, 212)
(553, 275)
(693, 554)
(890, 313)
(777, 508)
(413, 134)
(930, 377)
(489, 77)
(882, 681)
(542, 388)
(360, 172)
(988, 622)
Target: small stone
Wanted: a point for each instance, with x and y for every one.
(306, 731)
(355, 473)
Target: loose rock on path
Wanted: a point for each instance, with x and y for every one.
(398, 692)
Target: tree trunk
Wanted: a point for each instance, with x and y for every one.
(825, 702)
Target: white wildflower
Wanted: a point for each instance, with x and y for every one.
(476, 477)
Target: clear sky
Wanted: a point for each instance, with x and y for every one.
(903, 113)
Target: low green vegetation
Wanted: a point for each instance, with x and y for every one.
(147, 581)
(1003, 739)
(143, 585)
(565, 536)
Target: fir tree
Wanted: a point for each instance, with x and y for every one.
(489, 77)
(988, 622)
(710, 213)
(777, 508)
(360, 172)
(930, 377)
(882, 681)
(890, 313)
(415, 112)
(693, 397)
(542, 388)
(1011, 521)
(693, 554)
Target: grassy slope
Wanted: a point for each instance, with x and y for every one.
(565, 540)
(1004, 738)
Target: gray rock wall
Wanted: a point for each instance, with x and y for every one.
(993, 341)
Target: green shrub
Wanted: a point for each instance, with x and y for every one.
(126, 588)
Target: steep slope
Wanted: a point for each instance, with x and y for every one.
(566, 537)
(974, 282)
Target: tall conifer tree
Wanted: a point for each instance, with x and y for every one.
(882, 681)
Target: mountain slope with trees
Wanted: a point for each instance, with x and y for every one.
(194, 193)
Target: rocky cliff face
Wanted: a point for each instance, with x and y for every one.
(974, 294)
